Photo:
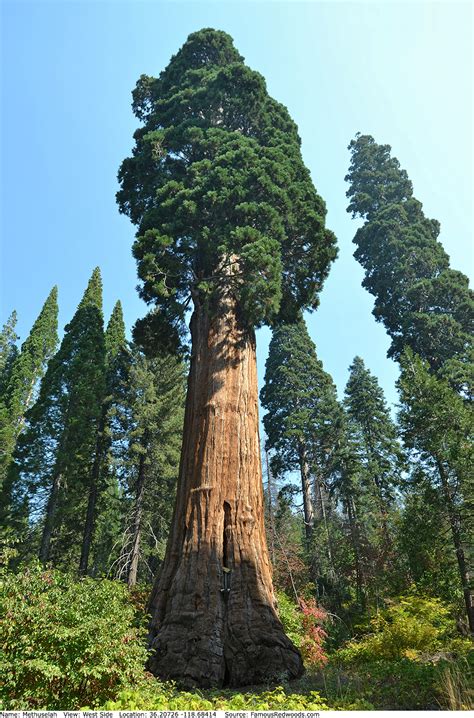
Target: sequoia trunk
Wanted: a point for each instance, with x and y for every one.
(213, 610)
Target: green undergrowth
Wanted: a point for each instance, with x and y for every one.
(155, 695)
(67, 643)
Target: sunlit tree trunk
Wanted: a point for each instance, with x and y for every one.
(213, 609)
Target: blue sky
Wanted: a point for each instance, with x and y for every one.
(399, 71)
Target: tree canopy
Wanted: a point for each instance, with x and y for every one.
(219, 191)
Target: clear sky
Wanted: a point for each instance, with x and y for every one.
(399, 71)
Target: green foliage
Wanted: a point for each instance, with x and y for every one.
(408, 628)
(437, 425)
(219, 192)
(379, 467)
(303, 624)
(300, 399)
(424, 541)
(8, 350)
(148, 454)
(383, 684)
(421, 301)
(155, 695)
(65, 642)
(57, 448)
(19, 378)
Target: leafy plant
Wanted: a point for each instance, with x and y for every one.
(406, 629)
(155, 695)
(303, 625)
(65, 642)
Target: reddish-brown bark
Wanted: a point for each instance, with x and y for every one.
(202, 633)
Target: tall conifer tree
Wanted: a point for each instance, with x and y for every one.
(423, 303)
(301, 403)
(379, 450)
(8, 350)
(153, 442)
(428, 309)
(57, 447)
(28, 368)
(229, 220)
(115, 355)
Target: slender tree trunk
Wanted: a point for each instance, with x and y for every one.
(137, 523)
(213, 611)
(455, 523)
(93, 496)
(49, 518)
(308, 508)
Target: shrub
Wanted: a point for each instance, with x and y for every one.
(384, 684)
(155, 695)
(408, 628)
(65, 642)
(303, 625)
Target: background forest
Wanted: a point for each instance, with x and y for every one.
(369, 512)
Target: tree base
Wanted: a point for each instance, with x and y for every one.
(244, 657)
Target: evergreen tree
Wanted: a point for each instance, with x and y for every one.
(346, 488)
(8, 354)
(422, 302)
(425, 541)
(24, 374)
(55, 451)
(154, 437)
(116, 357)
(427, 307)
(8, 350)
(228, 219)
(379, 451)
(302, 411)
(437, 426)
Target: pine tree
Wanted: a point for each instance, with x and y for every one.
(115, 357)
(423, 303)
(24, 373)
(437, 426)
(55, 451)
(379, 450)
(346, 488)
(302, 409)
(154, 437)
(228, 219)
(8, 350)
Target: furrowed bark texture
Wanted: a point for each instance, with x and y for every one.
(202, 633)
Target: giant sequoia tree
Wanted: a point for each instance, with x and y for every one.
(228, 220)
